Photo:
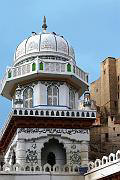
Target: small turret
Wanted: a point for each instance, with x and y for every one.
(87, 101)
(18, 101)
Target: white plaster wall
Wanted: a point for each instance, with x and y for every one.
(67, 95)
(62, 95)
(36, 95)
(40, 97)
(74, 143)
(76, 100)
(47, 176)
(43, 94)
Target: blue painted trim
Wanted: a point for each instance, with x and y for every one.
(51, 106)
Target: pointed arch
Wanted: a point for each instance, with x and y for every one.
(53, 152)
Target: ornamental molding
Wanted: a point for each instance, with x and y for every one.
(75, 158)
(32, 154)
(52, 131)
(30, 85)
(52, 83)
(60, 140)
(71, 88)
(77, 135)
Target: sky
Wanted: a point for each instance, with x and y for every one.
(91, 26)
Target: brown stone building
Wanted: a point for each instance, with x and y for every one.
(105, 92)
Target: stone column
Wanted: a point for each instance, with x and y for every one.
(20, 152)
(39, 153)
(67, 156)
(37, 63)
(84, 153)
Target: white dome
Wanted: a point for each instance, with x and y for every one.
(44, 44)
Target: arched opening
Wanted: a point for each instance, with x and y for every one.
(104, 161)
(9, 74)
(53, 153)
(41, 66)
(13, 157)
(33, 67)
(69, 67)
(97, 164)
(51, 159)
(111, 158)
(118, 156)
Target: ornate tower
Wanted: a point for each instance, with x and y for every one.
(46, 128)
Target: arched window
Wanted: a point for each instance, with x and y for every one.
(28, 98)
(52, 95)
(69, 67)
(33, 67)
(72, 99)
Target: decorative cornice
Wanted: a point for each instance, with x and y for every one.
(52, 83)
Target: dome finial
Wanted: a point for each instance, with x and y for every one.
(44, 26)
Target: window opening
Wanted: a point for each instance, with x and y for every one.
(69, 67)
(41, 66)
(52, 92)
(33, 67)
(106, 136)
(28, 98)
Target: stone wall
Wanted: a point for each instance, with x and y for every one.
(48, 176)
(104, 90)
(33, 145)
(95, 92)
(104, 139)
(118, 83)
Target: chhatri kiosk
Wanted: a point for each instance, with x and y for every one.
(47, 133)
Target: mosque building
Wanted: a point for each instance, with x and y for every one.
(47, 132)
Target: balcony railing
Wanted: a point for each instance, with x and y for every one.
(43, 66)
(55, 113)
(38, 169)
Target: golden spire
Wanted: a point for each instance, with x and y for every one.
(44, 26)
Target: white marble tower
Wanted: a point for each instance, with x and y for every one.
(46, 128)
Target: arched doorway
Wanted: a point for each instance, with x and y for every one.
(53, 153)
